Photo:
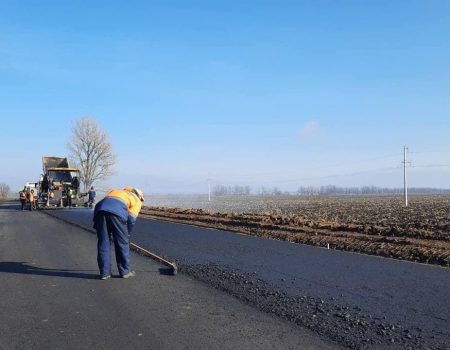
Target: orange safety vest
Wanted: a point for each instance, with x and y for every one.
(132, 202)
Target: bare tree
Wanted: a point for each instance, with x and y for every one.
(4, 190)
(237, 190)
(91, 151)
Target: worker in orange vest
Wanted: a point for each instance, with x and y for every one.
(23, 198)
(114, 219)
(31, 200)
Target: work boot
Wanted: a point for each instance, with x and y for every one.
(129, 274)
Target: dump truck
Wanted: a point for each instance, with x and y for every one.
(59, 184)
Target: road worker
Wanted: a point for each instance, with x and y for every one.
(91, 197)
(23, 198)
(69, 194)
(114, 219)
(31, 200)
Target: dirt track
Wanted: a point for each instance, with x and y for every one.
(419, 233)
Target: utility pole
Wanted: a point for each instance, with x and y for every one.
(209, 189)
(405, 178)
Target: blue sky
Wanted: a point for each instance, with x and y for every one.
(283, 93)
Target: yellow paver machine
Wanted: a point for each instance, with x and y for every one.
(59, 184)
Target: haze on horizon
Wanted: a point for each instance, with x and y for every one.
(262, 93)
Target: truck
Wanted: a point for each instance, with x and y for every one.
(59, 184)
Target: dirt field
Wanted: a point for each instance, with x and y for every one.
(371, 225)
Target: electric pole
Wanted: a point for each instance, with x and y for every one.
(209, 190)
(405, 178)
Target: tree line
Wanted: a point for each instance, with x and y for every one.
(4, 190)
(221, 190)
(337, 190)
(328, 190)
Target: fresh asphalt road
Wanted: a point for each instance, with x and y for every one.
(52, 299)
(416, 296)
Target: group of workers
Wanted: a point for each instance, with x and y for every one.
(91, 197)
(114, 218)
(27, 196)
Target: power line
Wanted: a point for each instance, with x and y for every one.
(246, 178)
(431, 166)
(329, 165)
(423, 152)
(356, 161)
(327, 176)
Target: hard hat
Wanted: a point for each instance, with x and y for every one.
(138, 193)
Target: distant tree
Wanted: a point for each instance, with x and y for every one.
(91, 151)
(4, 190)
(263, 191)
(276, 191)
(221, 190)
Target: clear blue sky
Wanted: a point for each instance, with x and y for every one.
(284, 93)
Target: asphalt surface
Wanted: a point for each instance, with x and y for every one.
(51, 298)
(360, 301)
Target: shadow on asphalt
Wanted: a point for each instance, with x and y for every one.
(24, 268)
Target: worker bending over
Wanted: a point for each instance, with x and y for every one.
(114, 218)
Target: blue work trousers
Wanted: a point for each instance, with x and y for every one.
(111, 228)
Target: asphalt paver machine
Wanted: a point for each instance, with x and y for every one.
(59, 185)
